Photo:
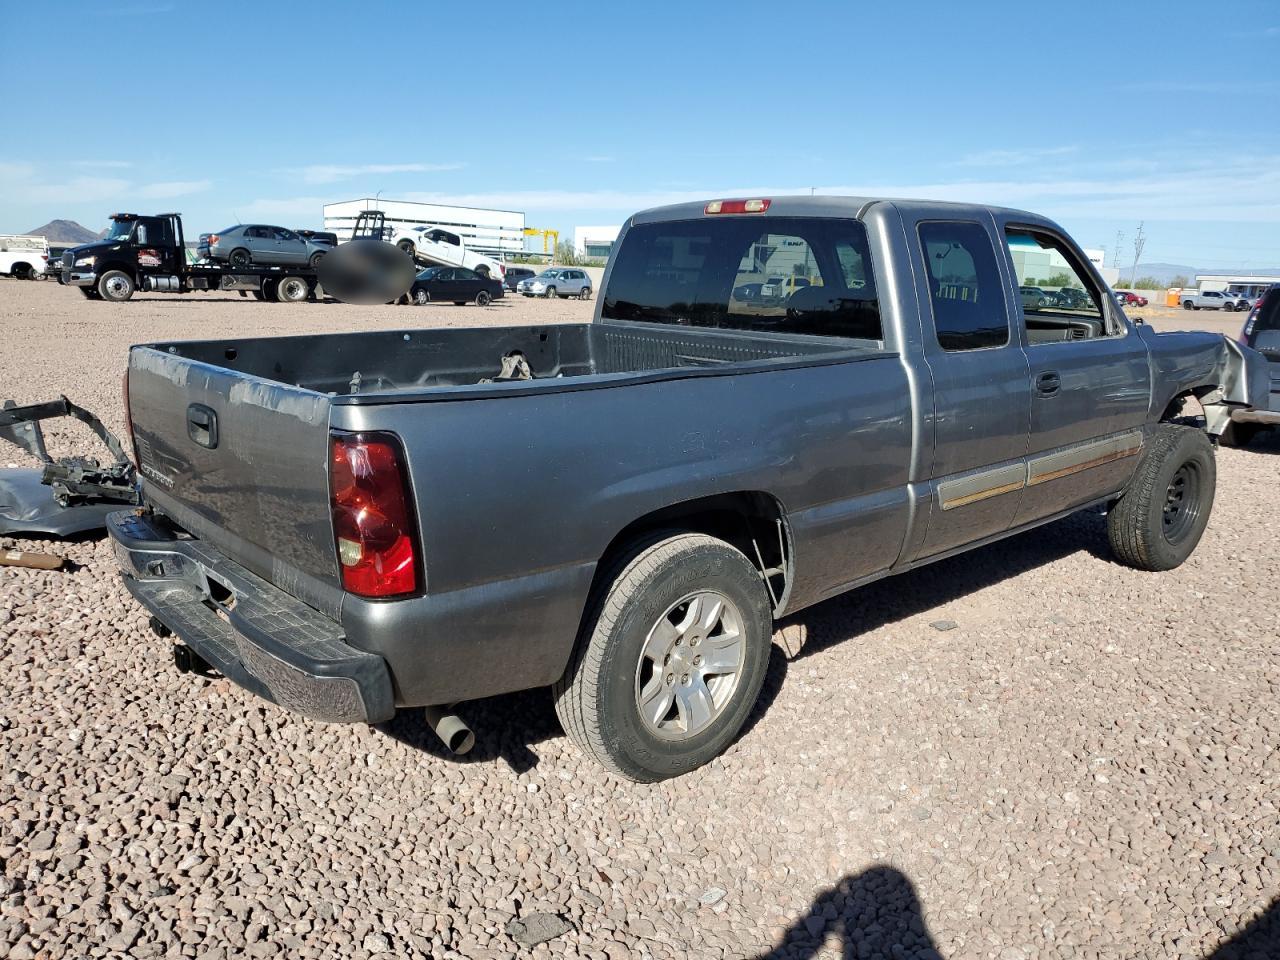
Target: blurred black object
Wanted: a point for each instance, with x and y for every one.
(366, 271)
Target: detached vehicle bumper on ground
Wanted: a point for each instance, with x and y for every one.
(620, 510)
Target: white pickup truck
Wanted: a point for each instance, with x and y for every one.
(1213, 300)
(436, 246)
(23, 258)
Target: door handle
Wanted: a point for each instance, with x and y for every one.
(1048, 383)
(202, 425)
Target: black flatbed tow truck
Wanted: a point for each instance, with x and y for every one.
(149, 253)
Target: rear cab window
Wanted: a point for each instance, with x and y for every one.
(789, 275)
(966, 294)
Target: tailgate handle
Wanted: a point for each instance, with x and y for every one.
(202, 425)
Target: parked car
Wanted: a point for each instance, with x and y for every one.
(1208, 300)
(325, 237)
(1237, 299)
(780, 289)
(261, 244)
(514, 275)
(557, 282)
(1261, 332)
(1033, 297)
(1130, 299)
(457, 284)
(1074, 297)
(621, 509)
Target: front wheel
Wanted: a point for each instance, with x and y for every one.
(421, 297)
(314, 262)
(292, 290)
(1160, 518)
(116, 286)
(484, 298)
(670, 658)
(551, 293)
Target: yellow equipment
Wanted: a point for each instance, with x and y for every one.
(549, 238)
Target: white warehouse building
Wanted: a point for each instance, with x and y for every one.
(496, 233)
(595, 241)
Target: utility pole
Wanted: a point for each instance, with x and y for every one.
(1139, 242)
(1115, 257)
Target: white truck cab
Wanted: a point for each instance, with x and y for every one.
(437, 246)
(23, 258)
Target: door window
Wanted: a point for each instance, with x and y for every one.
(444, 275)
(283, 234)
(965, 291)
(1060, 301)
(465, 273)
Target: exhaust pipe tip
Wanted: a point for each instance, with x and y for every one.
(452, 730)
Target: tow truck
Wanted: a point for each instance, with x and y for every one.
(150, 253)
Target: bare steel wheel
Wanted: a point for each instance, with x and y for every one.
(690, 665)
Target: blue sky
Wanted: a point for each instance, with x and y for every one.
(583, 113)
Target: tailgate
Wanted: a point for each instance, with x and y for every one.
(240, 462)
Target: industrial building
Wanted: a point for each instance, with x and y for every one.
(1036, 264)
(497, 233)
(595, 241)
(1248, 286)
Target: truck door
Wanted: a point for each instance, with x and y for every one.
(1090, 378)
(157, 247)
(981, 384)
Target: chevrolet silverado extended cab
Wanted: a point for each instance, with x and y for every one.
(346, 524)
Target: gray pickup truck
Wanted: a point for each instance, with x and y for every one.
(351, 523)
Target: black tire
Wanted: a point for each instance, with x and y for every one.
(1187, 305)
(585, 294)
(292, 290)
(407, 247)
(551, 293)
(484, 298)
(240, 257)
(421, 297)
(315, 259)
(90, 293)
(21, 271)
(1240, 434)
(1158, 521)
(115, 286)
(596, 698)
(257, 294)
(269, 289)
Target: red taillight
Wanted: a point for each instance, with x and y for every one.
(372, 519)
(736, 206)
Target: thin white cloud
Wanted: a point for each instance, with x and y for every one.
(332, 173)
(599, 158)
(173, 188)
(1015, 157)
(103, 164)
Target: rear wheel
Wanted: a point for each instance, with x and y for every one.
(239, 257)
(116, 286)
(257, 295)
(1240, 434)
(484, 298)
(21, 271)
(670, 659)
(1158, 521)
(269, 289)
(585, 294)
(292, 290)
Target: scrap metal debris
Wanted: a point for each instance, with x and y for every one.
(34, 561)
(67, 495)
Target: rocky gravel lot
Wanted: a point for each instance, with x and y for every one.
(1028, 751)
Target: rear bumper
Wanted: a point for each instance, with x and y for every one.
(252, 632)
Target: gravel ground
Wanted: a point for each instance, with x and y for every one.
(1025, 752)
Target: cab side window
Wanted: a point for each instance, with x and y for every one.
(965, 290)
(1060, 300)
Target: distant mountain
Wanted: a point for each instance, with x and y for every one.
(1164, 272)
(64, 232)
